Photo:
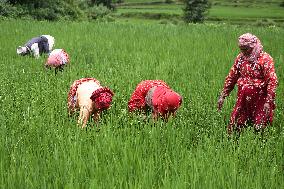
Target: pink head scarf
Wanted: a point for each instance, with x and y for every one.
(251, 42)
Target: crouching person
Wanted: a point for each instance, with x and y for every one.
(90, 98)
(57, 59)
(37, 46)
(156, 96)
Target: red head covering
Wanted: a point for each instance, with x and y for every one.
(166, 101)
(102, 98)
(250, 41)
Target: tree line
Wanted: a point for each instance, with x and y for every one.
(194, 10)
(55, 9)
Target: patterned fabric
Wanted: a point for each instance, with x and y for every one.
(102, 98)
(252, 43)
(57, 58)
(137, 100)
(249, 106)
(71, 99)
(256, 85)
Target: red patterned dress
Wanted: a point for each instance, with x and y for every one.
(72, 99)
(137, 100)
(257, 84)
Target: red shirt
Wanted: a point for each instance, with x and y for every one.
(137, 100)
(260, 75)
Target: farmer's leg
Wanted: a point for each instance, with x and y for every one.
(261, 118)
(239, 116)
(61, 68)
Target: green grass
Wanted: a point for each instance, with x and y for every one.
(246, 12)
(216, 1)
(141, 1)
(221, 11)
(164, 8)
(42, 148)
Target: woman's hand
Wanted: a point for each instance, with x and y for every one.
(266, 108)
(220, 102)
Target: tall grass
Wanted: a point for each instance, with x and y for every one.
(42, 148)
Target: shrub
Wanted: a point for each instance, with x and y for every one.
(96, 12)
(195, 10)
(55, 9)
(265, 23)
(41, 10)
(106, 18)
(106, 3)
(7, 10)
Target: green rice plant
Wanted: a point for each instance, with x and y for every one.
(42, 148)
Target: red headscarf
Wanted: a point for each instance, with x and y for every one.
(253, 43)
(102, 98)
(165, 101)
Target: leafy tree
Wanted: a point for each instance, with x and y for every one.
(195, 10)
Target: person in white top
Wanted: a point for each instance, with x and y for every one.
(37, 46)
(90, 98)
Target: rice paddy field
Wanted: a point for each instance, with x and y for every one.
(40, 147)
(241, 12)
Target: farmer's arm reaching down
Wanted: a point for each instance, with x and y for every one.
(229, 84)
(84, 116)
(96, 116)
(35, 50)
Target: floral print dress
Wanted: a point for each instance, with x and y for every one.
(257, 84)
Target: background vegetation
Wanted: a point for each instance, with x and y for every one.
(250, 12)
(42, 148)
(55, 9)
(241, 12)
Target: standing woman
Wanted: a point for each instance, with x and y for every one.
(254, 74)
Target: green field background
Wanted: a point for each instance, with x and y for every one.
(42, 148)
(225, 12)
(242, 12)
